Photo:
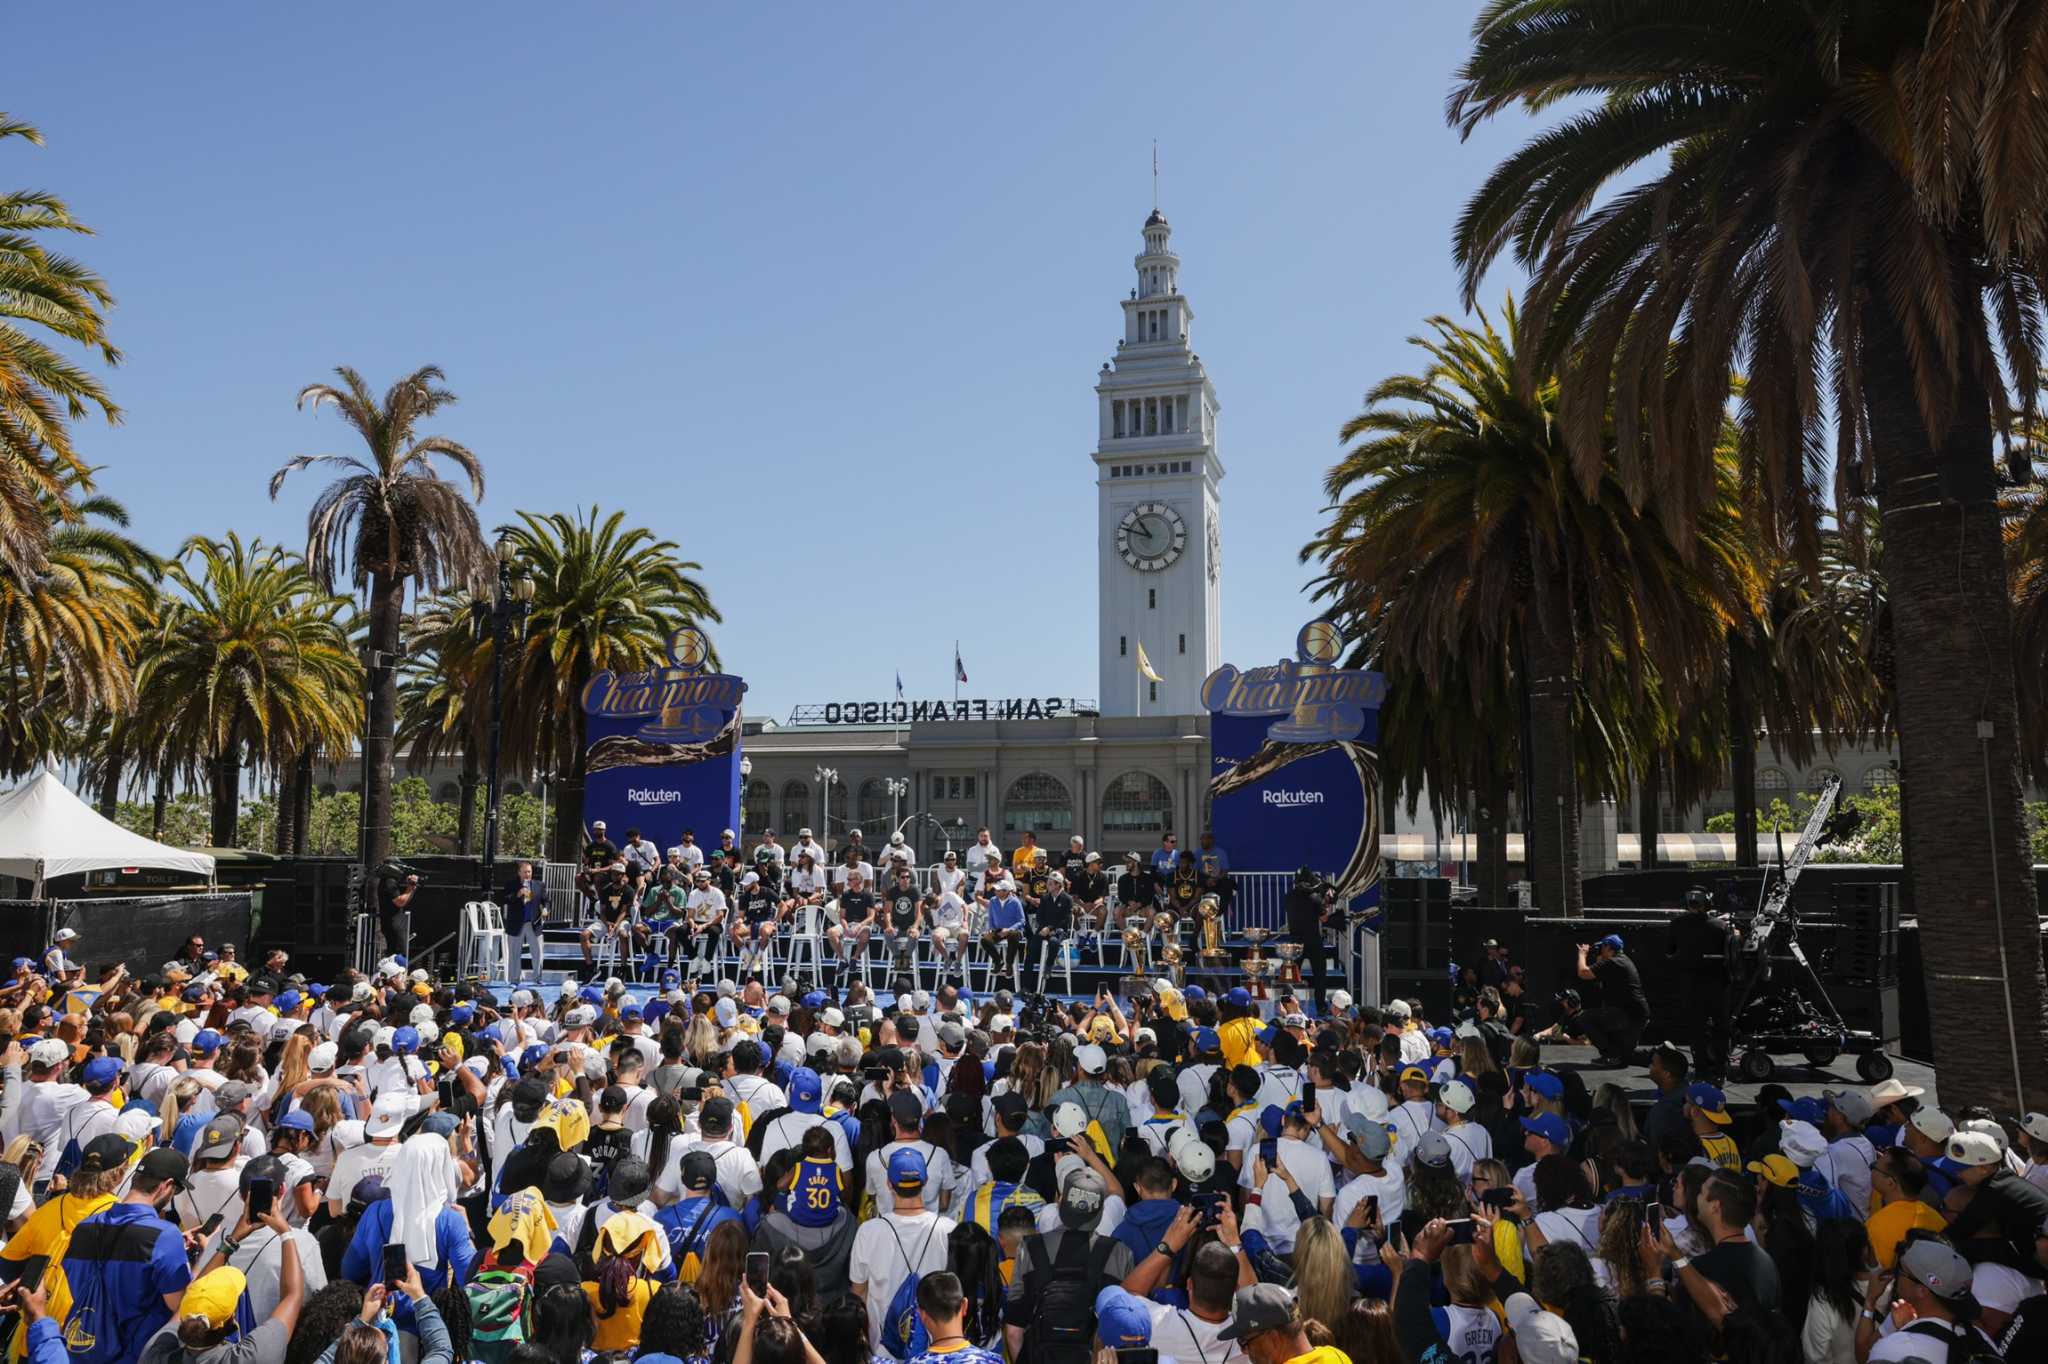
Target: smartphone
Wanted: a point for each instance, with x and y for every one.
(262, 1198)
(1141, 1354)
(211, 1225)
(1498, 1198)
(1269, 1151)
(757, 1272)
(1372, 1207)
(394, 1264)
(874, 1075)
(448, 1087)
(1461, 1230)
(1211, 1205)
(1653, 1218)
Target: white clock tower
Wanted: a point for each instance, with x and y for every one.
(1159, 537)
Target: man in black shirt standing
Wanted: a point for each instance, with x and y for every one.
(1615, 1026)
(2005, 1212)
(1306, 903)
(1698, 947)
(1053, 917)
(856, 920)
(1732, 1262)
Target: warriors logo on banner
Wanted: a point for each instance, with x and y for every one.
(1296, 781)
(664, 746)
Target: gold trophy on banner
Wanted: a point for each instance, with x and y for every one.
(1211, 912)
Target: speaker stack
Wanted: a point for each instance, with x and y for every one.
(1415, 941)
(1863, 978)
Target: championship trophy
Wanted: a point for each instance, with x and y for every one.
(1290, 954)
(1211, 912)
(1167, 926)
(1176, 968)
(1137, 948)
(1256, 967)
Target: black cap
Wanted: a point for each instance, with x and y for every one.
(699, 1169)
(108, 1151)
(527, 1098)
(629, 1180)
(1010, 1105)
(567, 1179)
(906, 1108)
(264, 1167)
(715, 1115)
(1165, 1089)
(164, 1163)
(613, 1100)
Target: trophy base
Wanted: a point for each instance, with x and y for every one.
(1215, 954)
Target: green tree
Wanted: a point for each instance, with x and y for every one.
(250, 662)
(1845, 199)
(1461, 547)
(605, 596)
(390, 521)
(43, 294)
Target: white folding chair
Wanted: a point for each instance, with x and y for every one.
(495, 954)
(806, 943)
(1052, 952)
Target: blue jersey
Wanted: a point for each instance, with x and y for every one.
(817, 1196)
(120, 1264)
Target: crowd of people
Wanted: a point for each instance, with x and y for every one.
(231, 1164)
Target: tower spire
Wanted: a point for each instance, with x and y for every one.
(1155, 175)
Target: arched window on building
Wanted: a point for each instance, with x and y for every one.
(874, 811)
(796, 809)
(1771, 784)
(758, 812)
(449, 793)
(1881, 778)
(1136, 807)
(1038, 802)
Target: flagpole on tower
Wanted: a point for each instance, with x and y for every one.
(1155, 175)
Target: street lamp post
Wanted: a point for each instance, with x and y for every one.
(746, 770)
(826, 776)
(511, 601)
(896, 787)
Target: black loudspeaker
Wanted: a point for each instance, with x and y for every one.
(1417, 933)
(1869, 1008)
(1867, 935)
(1433, 988)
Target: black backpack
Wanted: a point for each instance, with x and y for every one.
(1062, 1325)
(1965, 1346)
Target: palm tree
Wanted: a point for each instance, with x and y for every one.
(392, 520)
(69, 628)
(442, 698)
(1461, 545)
(251, 661)
(1844, 200)
(605, 597)
(41, 392)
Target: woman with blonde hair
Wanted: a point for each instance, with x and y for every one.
(179, 1120)
(701, 1041)
(293, 1071)
(1526, 1054)
(1621, 1234)
(1473, 1057)
(1470, 1328)
(1323, 1279)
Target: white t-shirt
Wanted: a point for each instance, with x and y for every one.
(1410, 1120)
(357, 1164)
(211, 1192)
(1311, 1170)
(1928, 1344)
(1471, 1332)
(890, 1248)
(1469, 1142)
(1392, 1188)
(938, 1170)
(739, 1179)
(1846, 1166)
(1178, 1334)
(1194, 1086)
(761, 1097)
(261, 1260)
(1114, 1211)
(1279, 1086)
(977, 1164)
(690, 853)
(43, 1110)
(788, 1131)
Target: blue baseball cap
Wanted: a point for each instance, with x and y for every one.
(906, 1170)
(1122, 1321)
(206, 1041)
(654, 1010)
(1194, 994)
(671, 978)
(1612, 940)
(102, 1070)
(806, 1090)
(405, 1040)
(630, 1014)
(1272, 1032)
(1440, 1036)
(1207, 1040)
(298, 1120)
(316, 989)
(532, 1056)
(1810, 1110)
(1709, 1100)
(24, 964)
(288, 1001)
(1270, 1118)
(400, 961)
(814, 999)
(1551, 1128)
(1238, 997)
(590, 994)
(461, 1013)
(1543, 1082)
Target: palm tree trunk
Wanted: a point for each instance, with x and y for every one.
(1552, 826)
(1492, 830)
(387, 606)
(302, 795)
(110, 780)
(568, 834)
(1742, 771)
(224, 774)
(1967, 864)
(1649, 811)
(465, 810)
(159, 806)
(287, 807)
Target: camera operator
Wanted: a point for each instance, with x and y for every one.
(1699, 948)
(1307, 903)
(396, 885)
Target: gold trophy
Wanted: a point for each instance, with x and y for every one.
(1256, 966)
(1290, 954)
(1211, 912)
(1137, 948)
(1176, 968)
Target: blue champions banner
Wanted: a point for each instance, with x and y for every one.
(1295, 766)
(664, 747)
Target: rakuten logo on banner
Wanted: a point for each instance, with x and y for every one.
(643, 795)
(1291, 797)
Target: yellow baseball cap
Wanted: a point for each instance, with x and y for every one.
(213, 1296)
(1776, 1169)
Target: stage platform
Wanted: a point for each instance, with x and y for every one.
(1800, 1079)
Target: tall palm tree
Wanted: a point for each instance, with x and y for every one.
(443, 695)
(42, 392)
(606, 596)
(69, 628)
(1844, 199)
(391, 520)
(1461, 544)
(251, 661)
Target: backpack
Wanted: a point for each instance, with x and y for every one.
(1062, 1325)
(500, 1307)
(689, 1264)
(1965, 1346)
(903, 1333)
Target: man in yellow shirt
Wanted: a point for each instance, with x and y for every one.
(1897, 1182)
(36, 1252)
(1239, 1031)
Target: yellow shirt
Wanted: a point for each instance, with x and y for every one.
(1887, 1227)
(44, 1238)
(1239, 1037)
(620, 1330)
(1023, 858)
(1723, 1152)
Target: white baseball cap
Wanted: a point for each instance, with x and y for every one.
(421, 1013)
(321, 1059)
(831, 1017)
(725, 1013)
(1932, 1124)
(1001, 1023)
(522, 999)
(1398, 1008)
(1068, 1120)
(50, 1051)
(896, 839)
(2035, 1125)
(1801, 1142)
(1457, 1097)
(582, 1016)
(2000, 1287)
(66, 935)
(1989, 1128)
(387, 1116)
(1972, 1149)
(1340, 1000)
(1541, 1337)
(1195, 1161)
(1092, 1060)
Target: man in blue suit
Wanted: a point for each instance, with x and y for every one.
(526, 904)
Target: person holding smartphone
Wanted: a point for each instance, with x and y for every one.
(262, 1237)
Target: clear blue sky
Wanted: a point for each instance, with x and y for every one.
(819, 292)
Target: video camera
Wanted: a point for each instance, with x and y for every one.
(396, 870)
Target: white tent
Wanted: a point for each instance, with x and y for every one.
(47, 831)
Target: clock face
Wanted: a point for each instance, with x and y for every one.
(1151, 536)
